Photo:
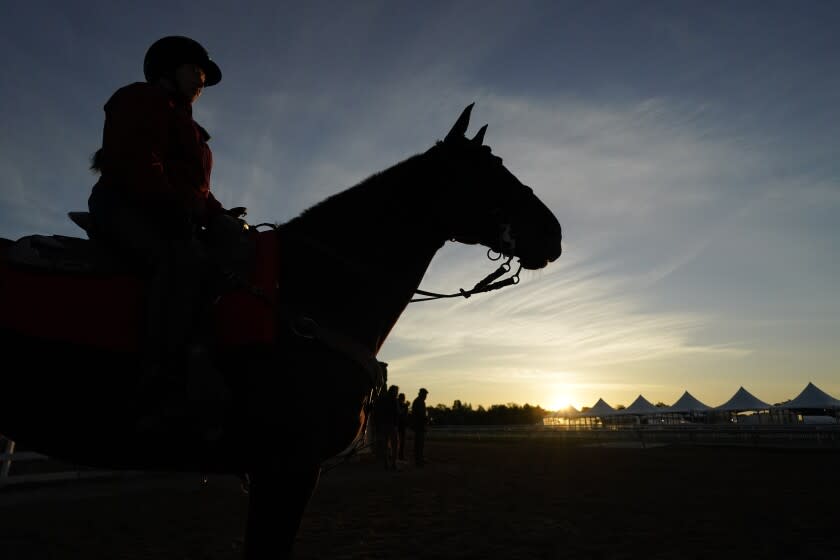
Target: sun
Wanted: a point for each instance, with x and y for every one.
(560, 401)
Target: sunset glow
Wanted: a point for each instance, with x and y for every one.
(689, 154)
(562, 402)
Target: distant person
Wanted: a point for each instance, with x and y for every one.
(402, 424)
(385, 418)
(419, 422)
(392, 430)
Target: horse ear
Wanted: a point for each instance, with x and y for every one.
(479, 137)
(460, 127)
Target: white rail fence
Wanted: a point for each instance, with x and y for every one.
(790, 436)
(8, 476)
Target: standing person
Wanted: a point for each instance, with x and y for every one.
(402, 424)
(385, 416)
(153, 198)
(391, 430)
(419, 421)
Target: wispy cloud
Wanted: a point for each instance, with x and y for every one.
(610, 171)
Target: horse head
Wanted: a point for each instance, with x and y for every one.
(484, 203)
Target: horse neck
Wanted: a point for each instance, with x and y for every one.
(353, 262)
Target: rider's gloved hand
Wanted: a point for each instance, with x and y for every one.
(236, 212)
(226, 227)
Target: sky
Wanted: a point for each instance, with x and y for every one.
(687, 148)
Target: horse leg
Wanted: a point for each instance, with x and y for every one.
(277, 499)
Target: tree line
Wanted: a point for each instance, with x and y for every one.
(461, 414)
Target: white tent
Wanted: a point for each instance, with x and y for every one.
(686, 404)
(640, 407)
(600, 408)
(812, 397)
(743, 400)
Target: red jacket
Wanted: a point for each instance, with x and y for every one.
(154, 151)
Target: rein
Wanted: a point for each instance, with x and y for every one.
(507, 243)
(487, 284)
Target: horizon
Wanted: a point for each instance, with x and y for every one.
(565, 404)
(687, 150)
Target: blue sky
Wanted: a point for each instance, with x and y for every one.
(687, 148)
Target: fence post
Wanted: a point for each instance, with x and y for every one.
(7, 462)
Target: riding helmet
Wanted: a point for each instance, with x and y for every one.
(168, 53)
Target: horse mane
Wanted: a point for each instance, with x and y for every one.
(96, 161)
(371, 191)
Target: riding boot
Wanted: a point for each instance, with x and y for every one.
(180, 383)
(208, 396)
(188, 391)
(158, 390)
(161, 396)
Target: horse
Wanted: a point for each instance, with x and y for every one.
(344, 271)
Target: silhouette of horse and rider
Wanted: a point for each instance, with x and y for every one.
(178, 338)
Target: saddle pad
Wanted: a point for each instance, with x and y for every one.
(101, 311)
(106, 311)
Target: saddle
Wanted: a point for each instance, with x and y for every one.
(72, 290)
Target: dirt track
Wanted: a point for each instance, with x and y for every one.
(500, 499)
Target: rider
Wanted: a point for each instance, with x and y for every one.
(153, 197)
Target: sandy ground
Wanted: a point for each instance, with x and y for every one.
(529, 498)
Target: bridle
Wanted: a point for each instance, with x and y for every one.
(507, 244)
(487, 284)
